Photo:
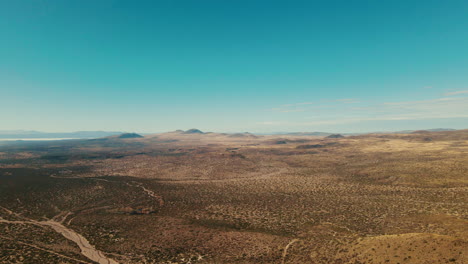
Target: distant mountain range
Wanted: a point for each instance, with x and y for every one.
(23, 134)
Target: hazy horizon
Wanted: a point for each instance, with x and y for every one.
(20, 131)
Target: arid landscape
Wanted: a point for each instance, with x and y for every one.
(233, 132)
(195, 197)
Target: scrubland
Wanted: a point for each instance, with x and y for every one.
(217, 198)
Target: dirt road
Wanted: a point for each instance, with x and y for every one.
(86, 248)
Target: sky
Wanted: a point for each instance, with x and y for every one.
(233, 66)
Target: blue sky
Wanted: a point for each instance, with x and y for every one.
(230, 66)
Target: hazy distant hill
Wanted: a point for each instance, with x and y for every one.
(242, 135)
(335, 136)
(427, 130)
(193, 131)
(320, 134)
(20, 134)
(130, 135)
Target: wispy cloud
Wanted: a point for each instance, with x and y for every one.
(456, 93)
(305, 106)
(424, 102)
(445, 107)
(282, 110)
(364, 119)
(292, 110)
(348, 101)
(438, 108)
(270, 123)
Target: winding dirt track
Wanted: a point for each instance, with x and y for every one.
(147, 191)
(285, 251)
(86, 248)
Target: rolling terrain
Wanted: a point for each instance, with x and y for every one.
(195, 197)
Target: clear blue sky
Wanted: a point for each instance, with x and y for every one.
(244, 65)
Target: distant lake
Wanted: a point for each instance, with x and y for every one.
(34, 139)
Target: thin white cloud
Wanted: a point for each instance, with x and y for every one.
(359, 120)
(456, 93)
(348, 101)
(305, 106)
(270, 123)
(292, 110)
(439, 108)
(443, 99)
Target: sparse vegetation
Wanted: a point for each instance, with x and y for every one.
(215, 198)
